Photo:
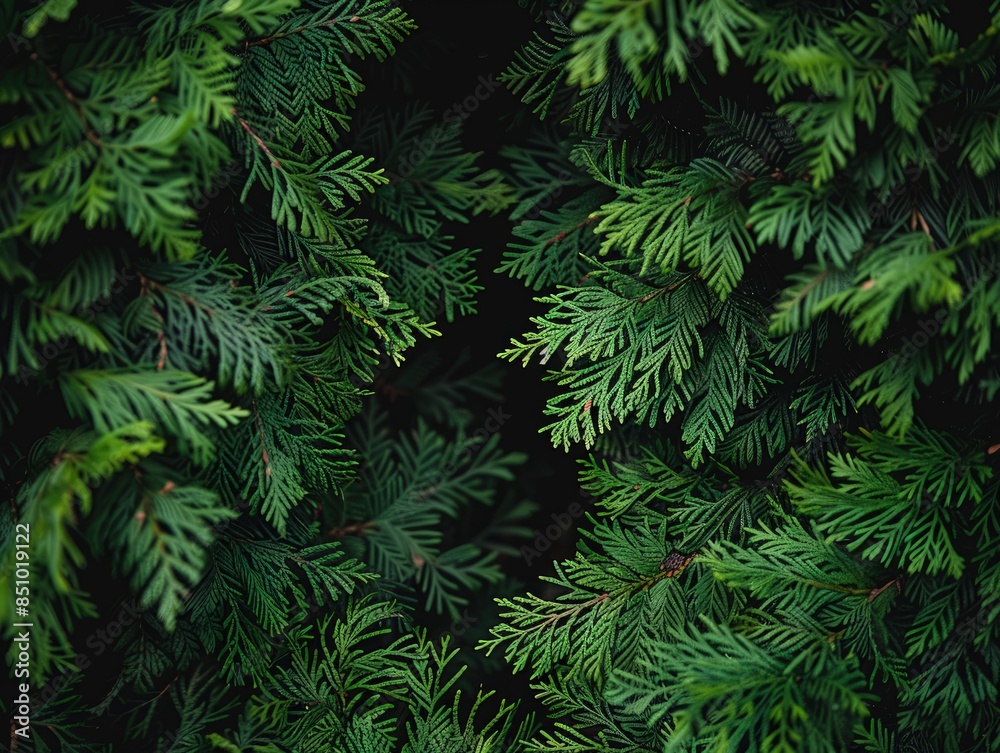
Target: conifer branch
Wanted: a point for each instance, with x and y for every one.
(282, 35)
(89, 133)
(257, 139)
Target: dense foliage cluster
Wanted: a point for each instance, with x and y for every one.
(769, 251)
(206, 263)
(765, 237)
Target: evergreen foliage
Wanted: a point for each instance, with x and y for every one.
(206, 264)
(770, 289)
(764, 238)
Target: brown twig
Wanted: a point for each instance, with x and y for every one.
(263, 442)
(563, 233)
(145, 285)
(299, 30)
(71, 98)
(260, 142)
(354, 529)
(876, 591)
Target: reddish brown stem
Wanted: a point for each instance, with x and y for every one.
(71, 98)
(260, 142)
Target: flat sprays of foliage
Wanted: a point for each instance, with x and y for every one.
(766, 238)
(207, 259)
